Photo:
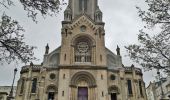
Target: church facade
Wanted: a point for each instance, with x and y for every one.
(82, 68)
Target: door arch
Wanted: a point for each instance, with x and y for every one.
(51, 92)
(83, 86)
(113, 91)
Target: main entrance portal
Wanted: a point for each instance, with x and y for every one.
(82, 93)
(83, 86)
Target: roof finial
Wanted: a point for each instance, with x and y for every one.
(46, 49)
(31, 64)
(118, 50)
(132, 66)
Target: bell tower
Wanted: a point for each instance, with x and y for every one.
(83, 34)
(77, 8)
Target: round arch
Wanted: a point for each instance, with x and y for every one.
(53, 59)
(86, 76)
(114, 89)
(51, 88)
(85, 37)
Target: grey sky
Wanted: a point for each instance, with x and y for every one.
(121, 27)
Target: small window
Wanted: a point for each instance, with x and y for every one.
(66, 31)
(64, 76)
(102, 94)
(129, 83)
(62, 93)
(112, 77)
(65, 57)
(34, 85)
(101, 58)
(102, 77)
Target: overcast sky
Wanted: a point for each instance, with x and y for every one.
(121, 27)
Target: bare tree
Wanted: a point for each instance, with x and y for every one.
(12, 45)
(35, 7)
(153, 51)
(44, 7)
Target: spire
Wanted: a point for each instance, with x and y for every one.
(118, 50)
(68, 14)
(81, 7)
(31, 64)
(46, 49)
(98, 10)
(98, 15)
(132, 66)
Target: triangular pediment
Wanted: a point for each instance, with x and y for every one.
(83, 19)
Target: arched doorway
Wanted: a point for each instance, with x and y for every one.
(83, 86)
(51, 92)
(113, 91)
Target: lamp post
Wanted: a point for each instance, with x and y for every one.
(10, 97)
(159, 77)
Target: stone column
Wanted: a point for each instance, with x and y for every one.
(90, 93)
(73, 93)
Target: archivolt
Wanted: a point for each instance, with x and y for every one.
(85, 37)
(114, 89)
(88, 77)
(51, 87)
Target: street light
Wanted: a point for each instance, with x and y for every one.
(10, 97)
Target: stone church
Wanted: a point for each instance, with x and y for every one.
(82, 68)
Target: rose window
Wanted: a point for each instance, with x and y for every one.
(83, 52)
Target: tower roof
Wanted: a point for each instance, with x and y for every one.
(68, 9)
(98, 10)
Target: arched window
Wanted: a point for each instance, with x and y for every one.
(83, 50)
(64, 76)
(65, 57)
(102, 77)
(83, 5)
(62, 93)
(102, 94)
(34, 85)
(129, 83)
(101, 58)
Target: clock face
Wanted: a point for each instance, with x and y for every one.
(83, 28)
(82, 47)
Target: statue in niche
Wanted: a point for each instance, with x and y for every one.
(82, 59)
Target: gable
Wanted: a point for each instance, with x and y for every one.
(83, 20)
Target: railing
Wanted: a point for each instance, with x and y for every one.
(84, 58)
(131, 68)
(34, 68)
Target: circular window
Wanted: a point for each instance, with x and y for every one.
(52, 76)
(83, 28)
(83, 47)
(112, 77)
